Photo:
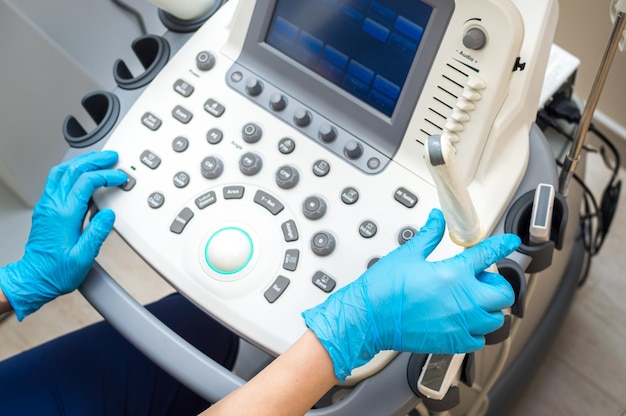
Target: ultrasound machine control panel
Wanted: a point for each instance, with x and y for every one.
(280, 152)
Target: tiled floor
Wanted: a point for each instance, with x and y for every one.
(584, 373)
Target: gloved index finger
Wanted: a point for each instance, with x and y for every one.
(97, 160)
(86, 185)
(489, 251)
(86, 163)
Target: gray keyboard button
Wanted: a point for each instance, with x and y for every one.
(206, 199)
(290, 262)
(151, 121)
(277, 289)
(214, 136)
(321, 168)
(183, 88)
(150, 159)
(368, 229)
(290, 231)
(181, 179)
(214, 108)
(180, 144)
(268, 202)
(181, 221)
(324, 282)
(156, 200)
(349, 196)
(182, 114)
(405, 197)
(286, 145)
(233, 192)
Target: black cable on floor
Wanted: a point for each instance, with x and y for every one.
(595, 219)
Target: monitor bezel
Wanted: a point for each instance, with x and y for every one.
(385, 133)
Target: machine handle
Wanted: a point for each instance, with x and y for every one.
(158, 342)
(209, 379)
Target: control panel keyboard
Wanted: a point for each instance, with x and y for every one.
(257, 203)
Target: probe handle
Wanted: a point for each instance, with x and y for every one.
(185, 9)
(463, 224)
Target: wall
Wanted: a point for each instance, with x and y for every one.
(52, 53)
(584, 28)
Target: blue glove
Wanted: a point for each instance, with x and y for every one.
(59, 254)
(406, 303)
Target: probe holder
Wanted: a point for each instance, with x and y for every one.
(518, 220)
(104, 109)
(153, 53)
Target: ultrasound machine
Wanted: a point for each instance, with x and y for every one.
(278, 148)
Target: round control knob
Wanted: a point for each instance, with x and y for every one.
(211, 167)
(254, 87)
(229, 250)
(475, 38)
(323, 243)
(278, 102)
(301, 117)
(287, 177)
(205, 61)
(251, 133)
(406, 234)
(314, 208)
(250, 164)
(327, 133)
(353, 149)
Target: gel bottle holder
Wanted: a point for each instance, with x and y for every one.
(153, 53)
(104, 109)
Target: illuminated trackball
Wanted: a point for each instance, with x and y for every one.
(229, 250)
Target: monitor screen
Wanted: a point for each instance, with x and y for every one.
(365, 47)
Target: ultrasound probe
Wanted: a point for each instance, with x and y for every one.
(441, 370)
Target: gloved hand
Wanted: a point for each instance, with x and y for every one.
(406, 303)
(58, 254)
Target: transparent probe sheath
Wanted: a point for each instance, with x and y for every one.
(465, 229)
(456, 203)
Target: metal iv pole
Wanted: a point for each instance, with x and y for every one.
(573, 157)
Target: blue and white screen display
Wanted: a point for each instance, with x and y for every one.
(366, 47)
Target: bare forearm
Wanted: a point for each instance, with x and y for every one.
(5, 306)
(289, 386)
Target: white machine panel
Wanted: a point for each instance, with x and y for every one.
(261, 183)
